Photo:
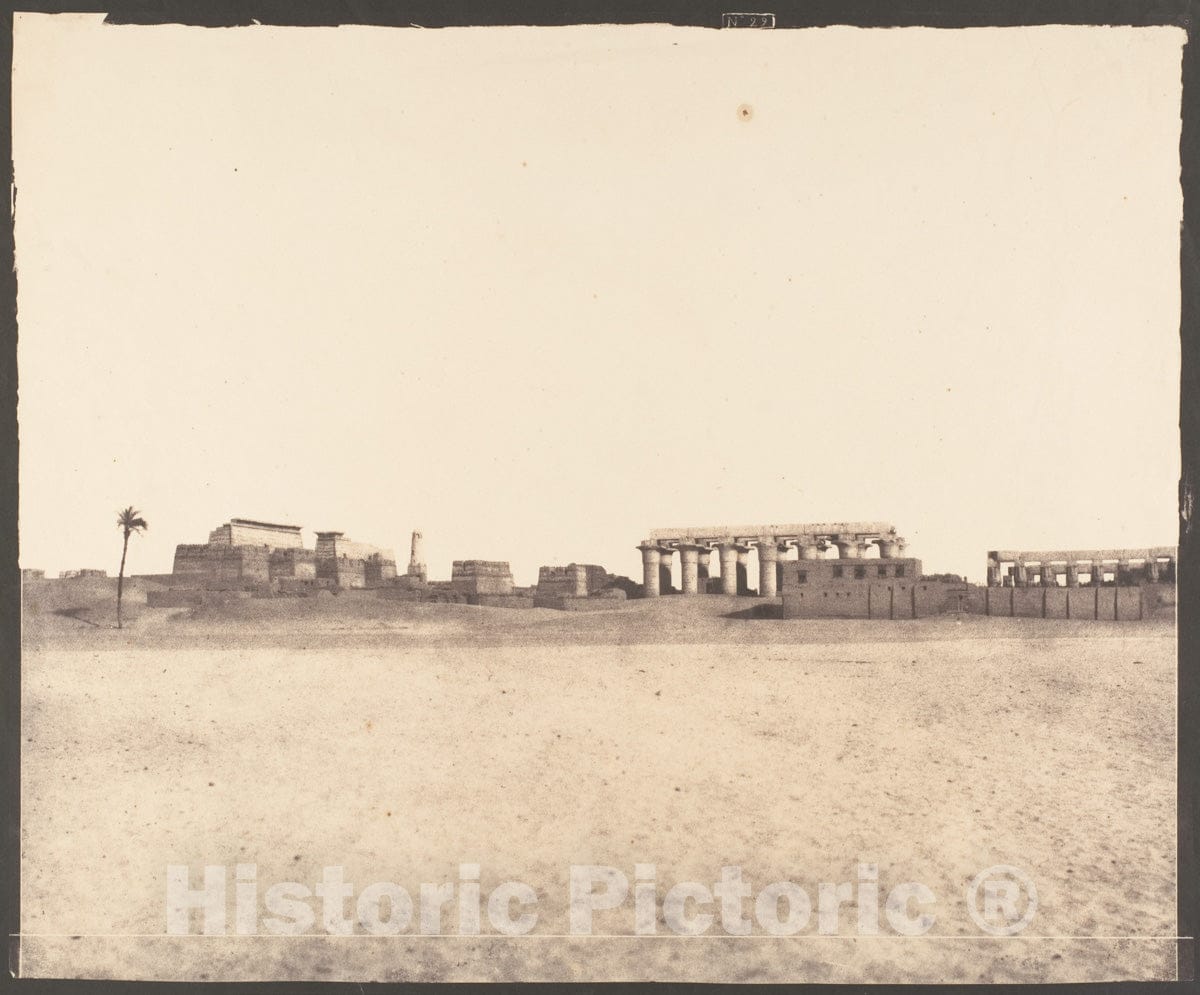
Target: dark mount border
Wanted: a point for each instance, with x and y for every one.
(790, 14)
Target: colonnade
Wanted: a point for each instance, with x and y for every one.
(734, 553)
(1010, 568)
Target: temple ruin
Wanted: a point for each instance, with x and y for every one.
(248, 556)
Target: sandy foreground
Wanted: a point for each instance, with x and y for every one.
(400, 741)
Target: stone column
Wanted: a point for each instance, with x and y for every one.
(1152, 570)
(666, 559)
(743, 569)
(1122, 571)
(809, 550)
(1097, 573)
(1020, 574)
(768, 560)
(729, 559)
(891, 547)
(650, 566)
(1072, 574)
(993, 571)
(1048, 575)
(689, 560)
(702, 568)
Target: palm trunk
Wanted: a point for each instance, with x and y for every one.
(121, 577)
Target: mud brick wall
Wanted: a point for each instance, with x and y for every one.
(342, 571)
(378, 570)
(297, 563)
(214, 567)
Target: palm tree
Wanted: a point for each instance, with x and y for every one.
(129, 521)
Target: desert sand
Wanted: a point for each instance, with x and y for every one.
(400, 740)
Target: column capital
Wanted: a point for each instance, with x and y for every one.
(768, 548)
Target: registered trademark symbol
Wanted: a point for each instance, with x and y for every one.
(1002, 900)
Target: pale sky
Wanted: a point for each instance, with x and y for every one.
(536, 291)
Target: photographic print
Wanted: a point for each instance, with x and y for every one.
(598, 502)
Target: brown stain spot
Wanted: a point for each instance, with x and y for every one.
(745, 112)
(368, 725)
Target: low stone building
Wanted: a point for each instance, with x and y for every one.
(28, 574)
(879, 588)
(476, 577)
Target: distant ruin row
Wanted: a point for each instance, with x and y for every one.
(249, 558)
(797, 575)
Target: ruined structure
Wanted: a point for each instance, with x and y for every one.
(566, 587)
(74, 574)
(476, 577)
(245, 556)
(351, 564)
(241, 555)
(772, 544)
(485, 582)
(29, 573)
(1081, 583)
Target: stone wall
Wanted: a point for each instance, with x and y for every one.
(897, 598)
(892, 588)
(1111, 603)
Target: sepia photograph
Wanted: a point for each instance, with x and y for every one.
(629, 502)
